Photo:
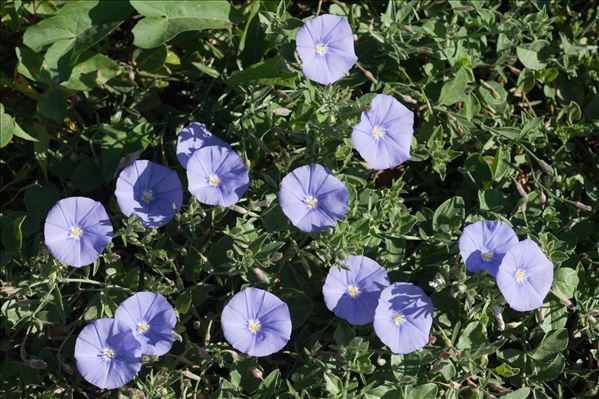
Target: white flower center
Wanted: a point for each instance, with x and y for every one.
(142, 327)
(378, 132)
(398, 319)
(321, 49)
(353, 290)
(75, 232)
(311, 201)
(486, 256)
(521, 276)
(147, 196)
(213, 180)
(107, 354)
(254, 326)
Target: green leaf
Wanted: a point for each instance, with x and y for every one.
(565, 282)
(273, 71)
(53, 104)
(151, 60)
(12, 235)
(405, 365)
(505, 370)
(551, 369)
(87, 176)
(166, 19)
(343, 333)
(40, 147)
(252, 43)
(183, 302)
(268, 387)
(553, 343)
(478, 170)
(424, 391)
(472, 337)
(532, 54)
(333, 384)
(300, 305)
(93, 72)
(39, 199)
(521, 393)
(454, 90)
(76, 27)
(449, 215)
(9, 128)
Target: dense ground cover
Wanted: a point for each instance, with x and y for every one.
(506, 104)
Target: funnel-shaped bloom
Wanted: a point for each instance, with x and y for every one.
(403, 317)
(151, 191)
(384, 135)
(192, 138)
(77, 230)
(326, 47)
(151, 319)
(353, 293)
(256, 322)
(313, 198)
(525, 276)
(217, 176)
(484, 244)
(107, 354)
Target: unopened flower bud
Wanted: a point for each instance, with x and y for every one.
(380, 361)
(540, 315)
(257, 373)
(37, 363)
(542, 199)
(177, 337)
(205, 355)
(261, 274)
(521, 190)
(545, 167)
(496, 310)
(191, 376)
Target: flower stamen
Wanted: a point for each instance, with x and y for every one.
(254, 326)
(321, 49)
(213, 180)
(486, 256)
(520, 276)
(75, 232)
(398, 318)
(142, 327)
(353, 290)
(107, 354)
(311, 201)
(378, 132)
(147, 196)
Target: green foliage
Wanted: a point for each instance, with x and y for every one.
(506, 101)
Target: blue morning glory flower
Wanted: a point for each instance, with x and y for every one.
(192, 138)
(77, 230)
(150, 191)
(256, 322)
(107, 354)
(525, 276)
(384, 135)
(151, 319)
(217, 176)
(313, 198)
(326, 47)
(353, 293)
(483, 245)
(403, 317)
